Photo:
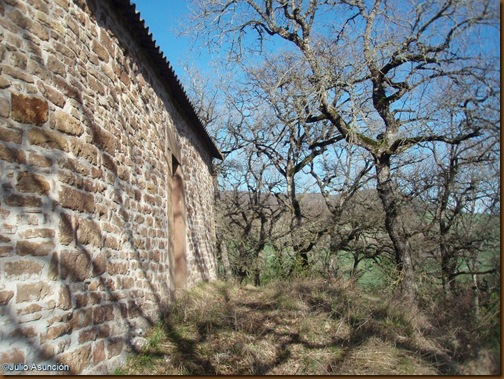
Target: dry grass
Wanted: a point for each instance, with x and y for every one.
(315, 327)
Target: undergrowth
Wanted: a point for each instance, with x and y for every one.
(302, 327)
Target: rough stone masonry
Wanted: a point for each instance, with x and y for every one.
(106, 186)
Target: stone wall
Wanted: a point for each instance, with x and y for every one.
(89, 130)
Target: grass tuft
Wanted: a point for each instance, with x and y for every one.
(301, 327)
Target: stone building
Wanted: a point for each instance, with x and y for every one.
(106, 186)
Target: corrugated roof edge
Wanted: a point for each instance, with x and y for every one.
(141, 33)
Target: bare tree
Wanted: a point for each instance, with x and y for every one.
(248, 214)
(374, 70)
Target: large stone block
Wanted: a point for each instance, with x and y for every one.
(115, 347)
(76, 200)
(11, 154)
(11, 135)
(35, 248)
(100, 264)
(47, 138)
(38, 160)
(33, 291)
(5, 296)
(103, 313)
(65, 298)
(88, 232)
(22, 268)
(29, 110)
(56, 66)
(74, 264)
(56, 331)
(13, 356)
(87, 335)
(67, 124)
(99, 352)
(103, 139)
(66, 230)
(100, 51)
(51, 94)
(23, 201)
(37, 233)
(32, 308)
(6, 251)
(77, 359)
(19, 18)
(32, 183)
(53, 273)
(4, 105)
(84, 150)
(81, 318)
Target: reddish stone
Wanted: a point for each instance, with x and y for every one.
(56, 331)
(103, 313)
(84, 150)
(103, 139)
(24, 332)
(29, 110)
(66, 124)
(104, 331)
(87, 335)
(47, 139)
(76, 200)
(81, 318)
(51, 94)
(99, 352)
(77, 359)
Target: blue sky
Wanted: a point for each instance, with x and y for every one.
(163, 17)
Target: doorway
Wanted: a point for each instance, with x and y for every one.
(178, 257)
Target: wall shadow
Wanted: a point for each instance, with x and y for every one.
(111, 294)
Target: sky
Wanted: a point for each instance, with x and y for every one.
(163, 17)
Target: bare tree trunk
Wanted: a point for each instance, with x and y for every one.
(448, 267)
(404, 264)
(475, 289)
(300, 250)
(222, 249)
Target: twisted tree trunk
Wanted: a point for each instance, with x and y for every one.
(404, 265)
